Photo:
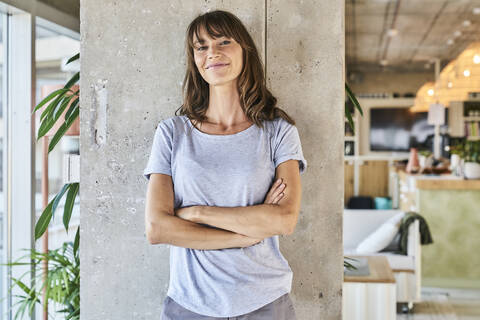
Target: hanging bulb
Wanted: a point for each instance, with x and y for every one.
(476, 59)
(466, 73)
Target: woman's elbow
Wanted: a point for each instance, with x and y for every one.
(153, 232)
(290, 218)
(290, 228)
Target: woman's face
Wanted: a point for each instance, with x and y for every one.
(219, 60)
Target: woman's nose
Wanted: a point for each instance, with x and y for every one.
(212, 52)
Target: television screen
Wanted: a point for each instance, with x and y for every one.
(398, 129)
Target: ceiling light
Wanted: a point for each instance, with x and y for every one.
(476, 59)
(466, 73)
(392, 32)
(383, 62)
(476, 10)
(457, 34)
(430, 92)
(450, 42)
(466, 23)
(449, 84)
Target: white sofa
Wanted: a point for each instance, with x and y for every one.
(358, 224)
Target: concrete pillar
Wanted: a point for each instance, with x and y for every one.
(132, 65)
(305, 69)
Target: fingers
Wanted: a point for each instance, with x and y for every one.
(274, 186)
(257, 241)
(276, 192)
(278, 198)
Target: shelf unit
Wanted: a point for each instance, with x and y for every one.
(351, 139)
(363, 162)
(458, 120)
(351, 165)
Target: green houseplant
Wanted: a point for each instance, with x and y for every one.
(59, 101)
(356, 104)
(469, 152)
(471, 157)
(62, 279)
(348, 114)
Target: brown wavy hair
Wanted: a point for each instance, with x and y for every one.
(256, 100)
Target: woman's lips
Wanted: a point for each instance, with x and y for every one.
(217, 66)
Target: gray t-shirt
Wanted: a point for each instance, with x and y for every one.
(226, 171)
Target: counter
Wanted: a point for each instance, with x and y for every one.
(447, 183)
(451, 207)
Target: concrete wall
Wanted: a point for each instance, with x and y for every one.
(131, 79)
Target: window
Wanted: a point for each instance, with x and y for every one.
(20, 155)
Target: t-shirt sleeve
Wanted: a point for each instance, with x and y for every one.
(161, 153)
(288, 145)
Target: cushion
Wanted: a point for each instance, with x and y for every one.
(394, 245)
(381, 237)
(360, 203)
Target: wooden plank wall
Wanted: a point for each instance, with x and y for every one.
(348, 188)
(373, 179)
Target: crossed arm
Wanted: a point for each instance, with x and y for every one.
(237, 226)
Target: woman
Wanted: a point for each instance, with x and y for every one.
(224, 182)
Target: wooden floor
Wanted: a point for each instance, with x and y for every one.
(446, 304)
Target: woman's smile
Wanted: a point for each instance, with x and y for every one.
(216, 67)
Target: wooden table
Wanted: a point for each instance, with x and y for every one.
(370, 297)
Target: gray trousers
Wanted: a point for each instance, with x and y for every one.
(280, 309)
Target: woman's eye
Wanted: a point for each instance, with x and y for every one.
(224, 42)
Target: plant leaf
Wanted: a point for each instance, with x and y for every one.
(43, 221)
(73, 80)
(57, 112)
(63, 128)
(75, 57)
(71, 108)
(77, 242)
(45, 126)
(58, 197)
(22, 285)
(352, 98)
(48, 98)
(65, 279)
(349, 118)
(69, 203)
(47, 113)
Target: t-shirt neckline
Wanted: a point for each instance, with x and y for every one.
(220, 136)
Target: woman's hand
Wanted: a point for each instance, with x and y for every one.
(275, 194)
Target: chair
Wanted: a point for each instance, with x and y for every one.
(358, 224)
